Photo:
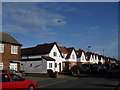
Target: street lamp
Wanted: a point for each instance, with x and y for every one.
(103, 52)
(89, 48)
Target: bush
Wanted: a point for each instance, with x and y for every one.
(52, 74)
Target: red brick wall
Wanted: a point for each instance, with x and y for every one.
(6, 57)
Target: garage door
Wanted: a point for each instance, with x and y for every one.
(13, 66)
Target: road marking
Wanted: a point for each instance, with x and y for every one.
(57, 82)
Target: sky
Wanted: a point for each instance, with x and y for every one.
(71, 24)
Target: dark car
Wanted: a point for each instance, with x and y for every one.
(98, 69)
(87, 67)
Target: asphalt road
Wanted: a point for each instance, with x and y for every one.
(107, 81)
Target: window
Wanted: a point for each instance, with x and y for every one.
(14, 49)
(1, 65)
(82, 58)
(50, 65)
(16, 78)
(55, 64)
(4, 78)
(73, 56)
(1, 48)
(54, 53)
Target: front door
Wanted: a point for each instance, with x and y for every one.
(13, 66)
(59, 67)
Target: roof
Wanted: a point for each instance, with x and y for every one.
(39, 49)
(63, 49)
(79, 53)
(47, 58)
(88, 54)
(69, 52)
(7, 38)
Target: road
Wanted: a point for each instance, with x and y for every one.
(107, 81)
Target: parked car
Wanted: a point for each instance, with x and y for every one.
(87, 68)
(98, 69)
(11, 71)
(10, 81)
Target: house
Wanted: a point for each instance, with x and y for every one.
(64, 53)
(101, 59)
(36, 65)
(48, 53)
(81, 57)
(96, 59)
(90, 57)
(10, 51)
(70, 57)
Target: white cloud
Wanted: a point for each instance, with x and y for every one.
(29, 17)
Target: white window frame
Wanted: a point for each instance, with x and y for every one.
(14, 49)
(13, 66)
(50, 65)
(1, 65)
(1, 48)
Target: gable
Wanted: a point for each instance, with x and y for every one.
(55, 49)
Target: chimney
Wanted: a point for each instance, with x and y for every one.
(56, 43)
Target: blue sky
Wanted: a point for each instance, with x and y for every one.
(82, 24)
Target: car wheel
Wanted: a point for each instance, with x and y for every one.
(31, 87)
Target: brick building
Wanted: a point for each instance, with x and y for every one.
(10, 52)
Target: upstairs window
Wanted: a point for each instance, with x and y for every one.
(1, 48)
(73, 56)
(14, 49)
(54, 53)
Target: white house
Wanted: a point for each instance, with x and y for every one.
(90, 57)
(48, 51)
(95, 59)
(101, 59)
(70, 56)
(81, 57)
